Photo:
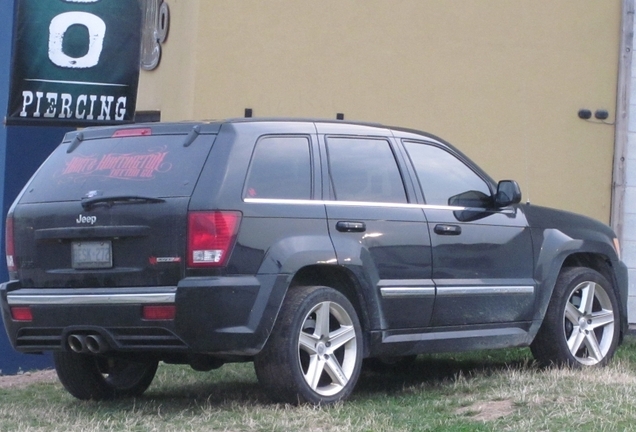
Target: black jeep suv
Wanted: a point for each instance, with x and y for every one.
(305, 246)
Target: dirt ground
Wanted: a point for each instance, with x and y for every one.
(487, 411)
(27, 378)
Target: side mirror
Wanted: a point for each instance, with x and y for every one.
(508, 193)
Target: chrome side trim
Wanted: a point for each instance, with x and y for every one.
(484, 290)
(395, 288)
(460, 334)
(397, 292)
(424, 288)
(90, 299)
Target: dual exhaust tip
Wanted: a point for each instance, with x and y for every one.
(83, 344)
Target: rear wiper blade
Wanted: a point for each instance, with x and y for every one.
(127, 199)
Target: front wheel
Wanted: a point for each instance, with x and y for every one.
(93, 377)
(581, 325)
(314, 353)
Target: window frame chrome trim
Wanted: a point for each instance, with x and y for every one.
(352, 204)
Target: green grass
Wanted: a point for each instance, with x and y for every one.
(497, 390)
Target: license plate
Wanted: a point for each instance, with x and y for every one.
(97, 254)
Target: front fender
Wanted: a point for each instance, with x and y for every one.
(553, 248)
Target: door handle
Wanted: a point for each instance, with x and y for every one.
(348, 226)
(443, 229)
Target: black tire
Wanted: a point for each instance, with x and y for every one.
(98, 378)
(303, 362)
(581, 326)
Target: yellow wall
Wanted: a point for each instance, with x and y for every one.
(503, 80)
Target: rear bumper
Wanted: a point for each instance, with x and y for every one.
(218, 315)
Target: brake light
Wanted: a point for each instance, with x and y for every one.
(132, 132)
(211, 236)
(9, 245)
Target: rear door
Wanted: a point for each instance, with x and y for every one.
(482, 256)
(109, 210)
(377, 233)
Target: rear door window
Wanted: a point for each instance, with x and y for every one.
(364, 169)
(155, 166)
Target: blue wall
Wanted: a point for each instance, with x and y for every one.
(22, 150)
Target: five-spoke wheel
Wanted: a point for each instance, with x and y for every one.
(314, 353)
(581, 325)
(589, 323)
(328, 350)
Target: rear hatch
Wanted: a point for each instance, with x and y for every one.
(108, 209)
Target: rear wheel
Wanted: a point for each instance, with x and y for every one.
(314, 352)
(92, 377)
(581, 325)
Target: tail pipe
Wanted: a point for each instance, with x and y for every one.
(96, 344)
(82, 344)
(77, 343)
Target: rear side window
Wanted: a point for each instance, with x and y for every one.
(364, 169)
(155, 166)
(280, 168)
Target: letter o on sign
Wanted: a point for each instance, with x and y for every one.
(96, 32)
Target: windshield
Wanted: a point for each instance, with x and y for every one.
(151, 166)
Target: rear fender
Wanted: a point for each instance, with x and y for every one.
(290, 254)
(307, 260)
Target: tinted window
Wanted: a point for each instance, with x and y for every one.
(364, 170)
(280, 168)
(445, 180)
(155, 166)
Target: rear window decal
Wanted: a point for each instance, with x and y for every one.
(129, 166)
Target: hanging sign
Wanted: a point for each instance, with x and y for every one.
(75, 62)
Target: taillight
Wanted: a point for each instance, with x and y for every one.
(211, 236)
(21, 313)
(10, 250)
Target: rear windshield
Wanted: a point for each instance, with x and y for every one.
(151, 166)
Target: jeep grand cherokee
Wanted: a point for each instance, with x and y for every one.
(304, 246)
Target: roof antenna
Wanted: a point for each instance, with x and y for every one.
(340, 116)
(248, 112)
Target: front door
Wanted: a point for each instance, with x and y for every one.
(482, 256)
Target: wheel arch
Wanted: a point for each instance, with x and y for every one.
(558, 251)
(575, 254)
(344, 281)
(595, 261)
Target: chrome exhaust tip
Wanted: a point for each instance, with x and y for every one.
(96, 344)
(77, 343)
